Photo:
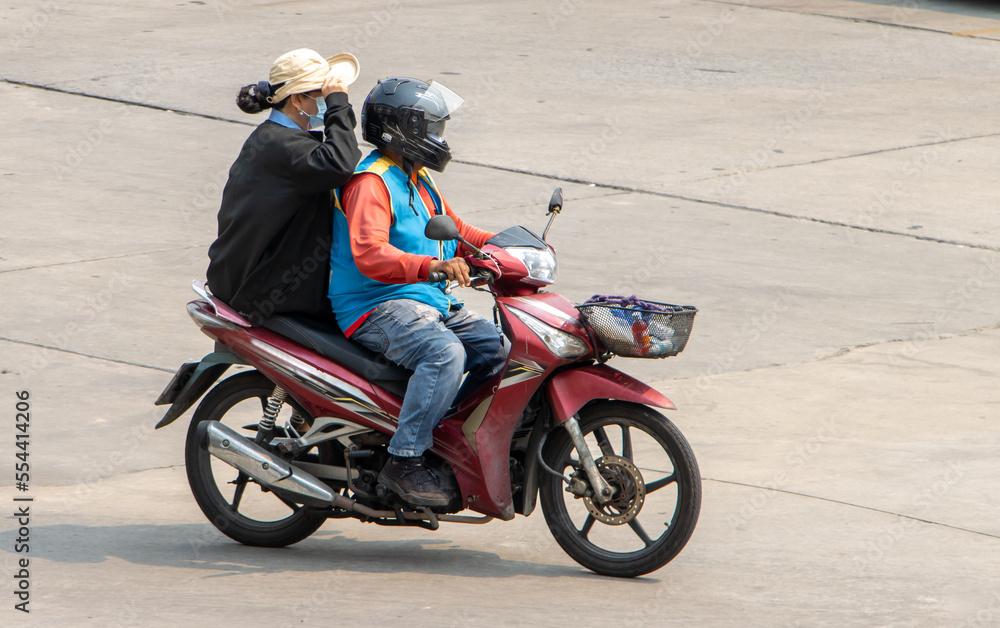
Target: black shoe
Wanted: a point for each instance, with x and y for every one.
(410, 479)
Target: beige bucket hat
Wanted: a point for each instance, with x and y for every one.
(304, 70)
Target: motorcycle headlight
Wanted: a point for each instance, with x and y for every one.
(541, 264)
(556, 340)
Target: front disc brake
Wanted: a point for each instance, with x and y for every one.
(630, 491)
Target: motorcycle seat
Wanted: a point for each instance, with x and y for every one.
(323, 337)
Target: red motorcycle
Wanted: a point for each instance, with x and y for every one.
(274, 451)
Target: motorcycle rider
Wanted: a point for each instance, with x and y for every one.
(381, 262)
(276, 214)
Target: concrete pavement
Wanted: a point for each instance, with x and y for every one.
(819, 178)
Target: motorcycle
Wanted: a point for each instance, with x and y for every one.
(274, 451)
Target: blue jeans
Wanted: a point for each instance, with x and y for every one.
(438, 349)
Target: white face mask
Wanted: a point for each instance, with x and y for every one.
(317, 120)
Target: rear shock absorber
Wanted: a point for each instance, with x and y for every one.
(298, 423)
(266, 426)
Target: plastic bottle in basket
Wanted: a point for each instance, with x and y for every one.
(662, 348)
(659, 331)
(662, 338)
(640, 332)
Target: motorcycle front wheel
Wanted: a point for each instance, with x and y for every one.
(235, 504)
(657, 498)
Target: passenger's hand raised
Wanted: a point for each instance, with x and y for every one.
(333, 84)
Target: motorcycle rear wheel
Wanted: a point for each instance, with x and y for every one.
(259, 517)
(650, 464)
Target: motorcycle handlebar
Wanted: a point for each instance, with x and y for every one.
(480, 273)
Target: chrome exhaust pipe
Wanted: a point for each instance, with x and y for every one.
(271, 471)
(295, 484)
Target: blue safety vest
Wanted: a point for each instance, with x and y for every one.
(352, 293)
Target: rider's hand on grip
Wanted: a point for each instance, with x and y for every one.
(456, 269)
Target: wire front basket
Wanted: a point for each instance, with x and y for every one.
(660, 330)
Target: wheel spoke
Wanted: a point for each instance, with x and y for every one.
(587, 525)
(640, 532)
(602, 440)
(658, 484)
(626, 443)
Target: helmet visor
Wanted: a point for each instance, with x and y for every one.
(437, 102)
(435, 130)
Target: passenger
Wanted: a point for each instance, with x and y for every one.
(271, 255)
(381, 262)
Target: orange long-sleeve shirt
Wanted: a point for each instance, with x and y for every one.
(368, 208)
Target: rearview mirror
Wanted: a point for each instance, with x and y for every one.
(441, 228)
(555, 206)
(555, 203)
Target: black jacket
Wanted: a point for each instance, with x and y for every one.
(276, 222)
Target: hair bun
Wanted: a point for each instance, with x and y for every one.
(254, 98)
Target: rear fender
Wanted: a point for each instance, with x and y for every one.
(191, 381)
(571, 390)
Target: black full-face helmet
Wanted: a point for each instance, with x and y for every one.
(406, 116)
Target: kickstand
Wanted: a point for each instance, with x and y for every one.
(434, 525)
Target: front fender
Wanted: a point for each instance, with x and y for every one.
(191, 381)
(571, 390)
